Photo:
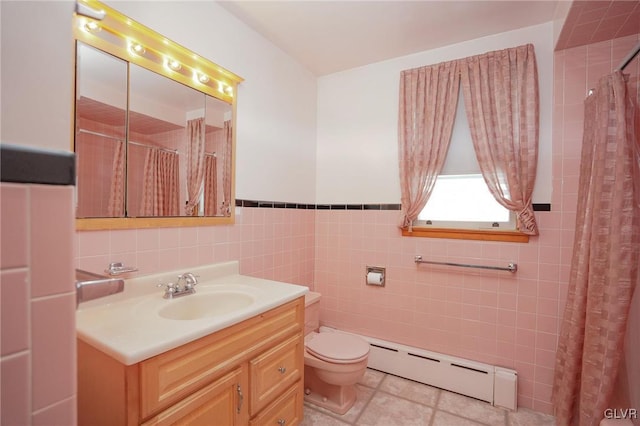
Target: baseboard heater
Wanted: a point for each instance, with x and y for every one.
(495, 385)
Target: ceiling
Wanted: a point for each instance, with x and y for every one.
(594, 21)
(332, 36)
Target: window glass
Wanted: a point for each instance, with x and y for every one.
(464, 201)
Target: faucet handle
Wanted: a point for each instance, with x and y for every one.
(190, 279)
(169, 289)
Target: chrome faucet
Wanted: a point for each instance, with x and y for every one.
(177, 289)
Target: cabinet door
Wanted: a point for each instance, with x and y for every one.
(274, 371)
(221, 403)
(287, 410)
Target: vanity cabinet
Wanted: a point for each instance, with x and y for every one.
(248, 373)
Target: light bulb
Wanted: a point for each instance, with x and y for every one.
(173, 64)
(92, 27)
(137, 49)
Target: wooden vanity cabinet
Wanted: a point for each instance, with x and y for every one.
(248, 373)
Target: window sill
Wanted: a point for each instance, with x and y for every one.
(468, 234)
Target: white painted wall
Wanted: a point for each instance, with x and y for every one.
(276, 132)
(37, 74)
(357, 147)
(276, 124)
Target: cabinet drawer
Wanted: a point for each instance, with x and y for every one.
(284, 411)
(169, 377)
(274, 371)
(218, 403)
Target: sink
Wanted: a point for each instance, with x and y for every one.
(205, 305)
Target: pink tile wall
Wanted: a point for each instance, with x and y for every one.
(37, 322)
(489, 316)
(269, 243)
(500, 318)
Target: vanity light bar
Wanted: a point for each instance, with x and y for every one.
(100, 26)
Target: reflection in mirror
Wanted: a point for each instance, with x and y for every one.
(101, 104)
(163, 136)
(154, 127)
(178, 152)
(218, 157)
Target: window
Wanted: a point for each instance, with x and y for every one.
(461, 205)
(427, 117)
(464, 201)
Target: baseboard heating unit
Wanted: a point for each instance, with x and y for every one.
(495, 385)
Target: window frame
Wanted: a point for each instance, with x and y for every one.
(468, 230)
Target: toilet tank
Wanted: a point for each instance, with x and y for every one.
(311, 312)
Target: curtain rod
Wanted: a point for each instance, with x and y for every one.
(627, 60)
(144, 145)
(89, 132)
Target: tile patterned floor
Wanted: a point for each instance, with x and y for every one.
(386, 400)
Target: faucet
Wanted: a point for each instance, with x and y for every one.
(176, 289)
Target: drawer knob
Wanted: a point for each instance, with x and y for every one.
(282, 370)
(282, 422)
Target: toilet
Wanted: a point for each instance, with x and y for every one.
(333, 362)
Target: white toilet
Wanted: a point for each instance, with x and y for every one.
(333, 362)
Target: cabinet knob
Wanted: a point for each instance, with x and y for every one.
(282, 422)
(282, 370)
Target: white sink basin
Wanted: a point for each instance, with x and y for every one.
(139, 323)
(204, 305)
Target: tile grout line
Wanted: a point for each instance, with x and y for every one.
(435, 407)
(375, 391)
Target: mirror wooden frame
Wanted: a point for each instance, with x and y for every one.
(104, 28)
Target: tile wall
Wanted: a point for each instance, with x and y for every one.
(37, 320)
(500, 318)
(489, 316)
(271, 243)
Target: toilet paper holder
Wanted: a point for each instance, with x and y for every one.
(375, 275)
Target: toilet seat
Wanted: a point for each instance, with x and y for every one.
(338, 348)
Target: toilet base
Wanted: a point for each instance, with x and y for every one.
(337, 399)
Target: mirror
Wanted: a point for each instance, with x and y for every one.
(154, 136)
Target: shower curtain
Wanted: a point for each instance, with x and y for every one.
(160, 187)
(227, 152)
(604, 267)
(210, 186)
(195, 163)
(116, 191)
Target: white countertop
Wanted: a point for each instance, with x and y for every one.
(127, 325)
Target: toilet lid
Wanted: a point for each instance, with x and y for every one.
(338, 347)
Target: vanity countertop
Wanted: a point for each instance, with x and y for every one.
(128, 326)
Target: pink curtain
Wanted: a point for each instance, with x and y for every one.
(428, 99)
(210, 186)
(116, 193)
(226, 168)
(501, 100)
(160, 187)
(604, 267)
(195, 163)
